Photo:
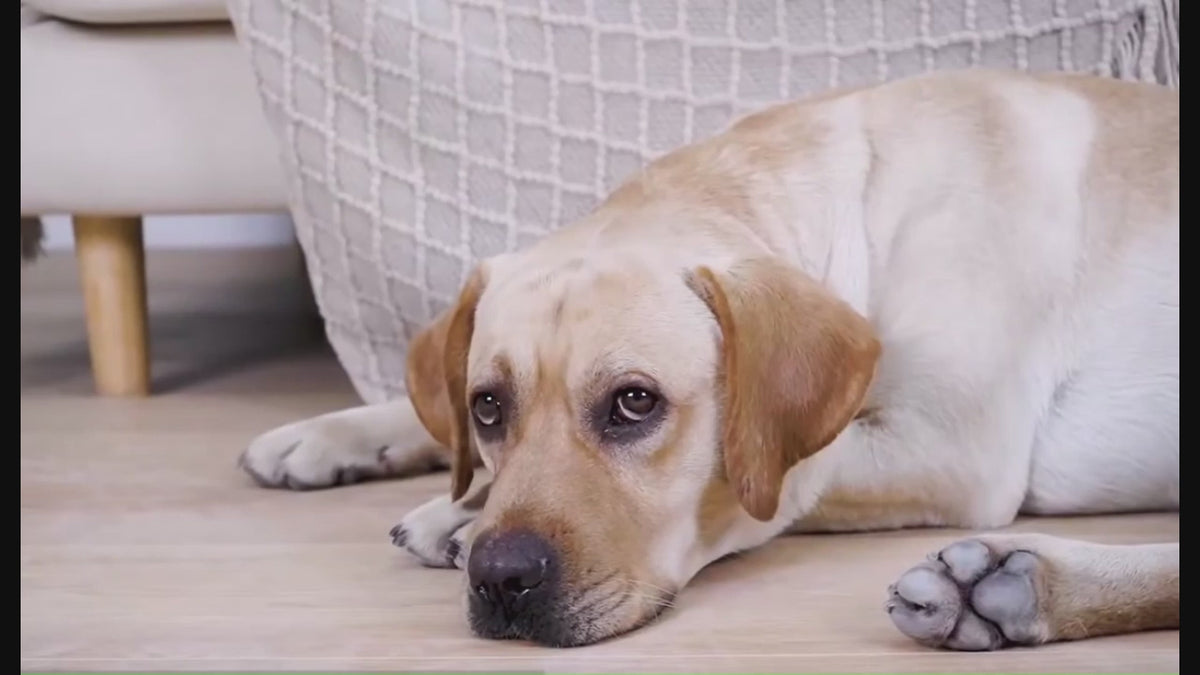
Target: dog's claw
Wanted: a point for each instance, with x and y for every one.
(399, 536)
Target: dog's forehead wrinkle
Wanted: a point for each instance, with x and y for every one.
(618, 317)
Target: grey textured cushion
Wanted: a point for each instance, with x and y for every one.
(422, 136)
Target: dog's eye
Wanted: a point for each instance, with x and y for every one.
(486, 409)
(632, 405)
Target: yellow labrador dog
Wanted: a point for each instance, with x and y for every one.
(944, 301)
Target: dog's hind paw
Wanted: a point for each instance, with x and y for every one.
(970, 598)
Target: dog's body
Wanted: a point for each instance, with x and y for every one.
(962, 289)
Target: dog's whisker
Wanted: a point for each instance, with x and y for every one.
(629, 590)
(653, 600)
(651, 586)
(662, 597)
(582, 595)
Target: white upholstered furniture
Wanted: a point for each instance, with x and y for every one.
(133, 107)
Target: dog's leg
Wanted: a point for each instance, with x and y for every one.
(374, 441)
(439, 532)
(1024, 589)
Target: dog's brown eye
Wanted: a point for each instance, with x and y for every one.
(632, 405)
(486, 409)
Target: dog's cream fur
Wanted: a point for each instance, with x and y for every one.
(942, 301)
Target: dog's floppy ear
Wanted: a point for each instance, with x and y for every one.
(437, 381)
(797, 362)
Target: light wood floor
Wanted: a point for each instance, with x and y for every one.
(142, 547)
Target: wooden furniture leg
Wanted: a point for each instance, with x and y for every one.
(112, 269)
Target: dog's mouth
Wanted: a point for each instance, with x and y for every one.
(600, 612)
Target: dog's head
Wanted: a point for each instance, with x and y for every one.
(632, 413)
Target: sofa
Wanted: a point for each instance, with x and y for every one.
(130, 108)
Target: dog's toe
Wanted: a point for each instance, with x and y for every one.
(966, 561)
(925, 604)
(459, 547)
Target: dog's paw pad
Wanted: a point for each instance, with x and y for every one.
(1007, 597)
(968, 598)
(966, 561)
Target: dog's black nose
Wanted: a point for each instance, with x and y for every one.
(508, 569)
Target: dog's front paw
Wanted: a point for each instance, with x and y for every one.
(437, 533)
(326, 451)
(969, 597)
